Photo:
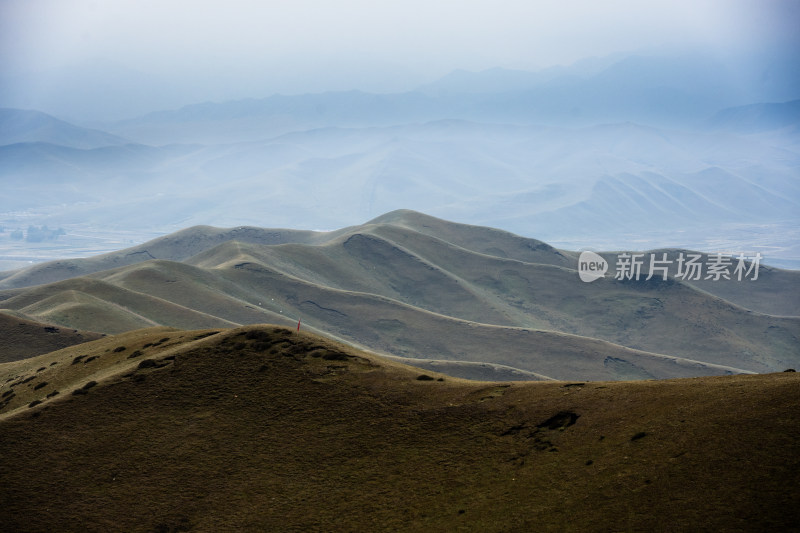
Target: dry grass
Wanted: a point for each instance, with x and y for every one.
(263, 429)
(23, 338)
(415, 286)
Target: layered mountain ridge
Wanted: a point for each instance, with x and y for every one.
(414, 286)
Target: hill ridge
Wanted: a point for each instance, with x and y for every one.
(393, 289)
(241, 429)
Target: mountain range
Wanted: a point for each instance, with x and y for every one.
(414, 286)
(533, 354)
(671, 151)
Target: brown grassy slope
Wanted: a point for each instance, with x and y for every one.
(59, 373)
(21, 338)
(261, 429)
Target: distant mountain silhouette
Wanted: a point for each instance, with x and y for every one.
(27, 126)
(756, 118)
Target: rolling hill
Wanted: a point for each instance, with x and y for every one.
(23, 338)
(413, 286)
(264, 429)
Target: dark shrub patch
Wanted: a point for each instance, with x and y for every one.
(43, 368)
(440, 379)
(639, 435)
(92, 358)
(162, 341)
(560, 420)
(55, 392)
(77, 359)
(85, 388)
(790, 370)
(7, 393)
(26, 380)
(54, 363)
(34, 403)
(335, 356)
(147, 363)
(137, 353)
(119, 349)
(259, 335)
(40, 385)
(424, 377)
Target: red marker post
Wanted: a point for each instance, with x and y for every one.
(298, 325)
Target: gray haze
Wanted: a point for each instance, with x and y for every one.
(93, 60)
(614, 125)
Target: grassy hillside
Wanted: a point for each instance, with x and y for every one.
(23, 338)
(175, 247)
(774, 294)
(414, 286)
(264, 429)
(97, 305)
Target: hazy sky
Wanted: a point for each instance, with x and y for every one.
(201, 50)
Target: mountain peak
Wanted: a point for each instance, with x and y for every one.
(29, 126)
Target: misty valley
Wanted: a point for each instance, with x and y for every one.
(495, 148)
